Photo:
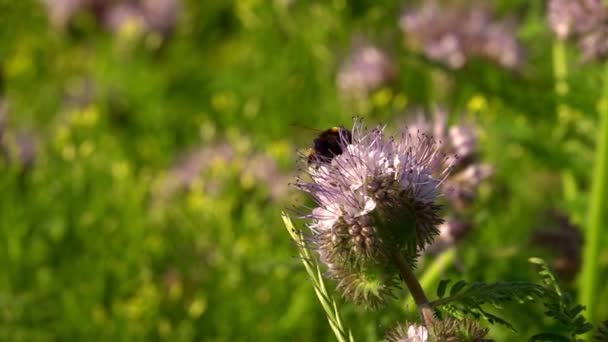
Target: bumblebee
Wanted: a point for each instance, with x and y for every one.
(328, 144)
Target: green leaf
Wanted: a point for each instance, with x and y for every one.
(549, 337)
(442, 287)
(601, 334)
(457, 287)
(559, 305)
(469, 299)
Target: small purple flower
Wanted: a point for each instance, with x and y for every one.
(451, 231)
(118, 16)
(198, 163)
(452, 35)
(19, 147)
(161, 15)
(376, 198)
(459, 142)
(571, 17)
(366, 69)
(582, 21)
(408, 333)
(158, 16)
(61, 11)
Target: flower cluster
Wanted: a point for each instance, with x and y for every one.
(375, 200)
(147, 15)
(366, 69)
(251, 167)
(460, 188)
(452, 35)
(584, 21)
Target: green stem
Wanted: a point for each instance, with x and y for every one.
(560, 68)
(560, 74)
(432, 273)
(409, 278)
(598, 199)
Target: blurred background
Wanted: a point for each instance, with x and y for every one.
(146, 148)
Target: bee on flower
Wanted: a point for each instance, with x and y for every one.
(374, 200)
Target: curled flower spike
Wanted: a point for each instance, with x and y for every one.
(374, 200)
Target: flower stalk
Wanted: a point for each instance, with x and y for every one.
(415, 289)
(433, 272)
(597, 204)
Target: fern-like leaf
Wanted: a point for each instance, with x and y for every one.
(601, 334)
(467, 299)
(559, 305)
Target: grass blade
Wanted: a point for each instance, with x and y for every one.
(314, 272)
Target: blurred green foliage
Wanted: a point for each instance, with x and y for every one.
(91, 249)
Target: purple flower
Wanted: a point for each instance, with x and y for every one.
(448, 329)
(450, 232)
(460, 142)
(452, 35)
(582, 21)
(408, 333)
(200, 162)
(572, 17)
(376, 198)
(158, 16)
(366, 69)
(19, 147)
(61, 11)
(120, 15)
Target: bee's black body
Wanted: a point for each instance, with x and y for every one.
(328, 144)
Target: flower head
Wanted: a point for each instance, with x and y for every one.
(584, 21)
(570, 17)
(365, 70)
(447, 330)
(460, 142)
(159, 16)
(408, 333)
(374, 199)
(452, 35)
(461, 186)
